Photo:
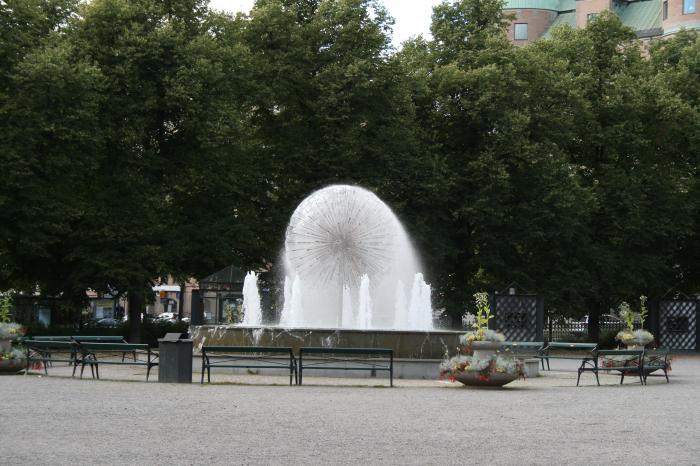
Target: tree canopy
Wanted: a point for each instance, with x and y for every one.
(146, 138)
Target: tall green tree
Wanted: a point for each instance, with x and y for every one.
(624, 156)
(331, 105)
(511, 209)
(136, 116)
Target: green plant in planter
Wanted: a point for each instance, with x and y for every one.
(480, 322)
(629, 336)
(8, 330)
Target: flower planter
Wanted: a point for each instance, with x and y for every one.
(13, 365)
(475, 379)
(485, 349)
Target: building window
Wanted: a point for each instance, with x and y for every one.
(520, 31)
(665, 10)
(688, 7)
(590, 17)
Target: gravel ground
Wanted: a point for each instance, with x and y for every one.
(59, 420)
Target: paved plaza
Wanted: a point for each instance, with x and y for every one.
(260, 420)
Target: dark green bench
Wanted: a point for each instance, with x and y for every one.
(83, 338)
(51, 338)
(523, 349)
(94, 354)
(623, 361)
(49, 351)
(103, 339)
(331, 357)
(577, 351)
(248, 357)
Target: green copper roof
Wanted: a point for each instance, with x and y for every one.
(553, 5)
(641, 15)
(562, 18)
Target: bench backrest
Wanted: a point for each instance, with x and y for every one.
(50, 345)
(98, 338)
(524, 345)
(246, 349)
(606, 353)
(96, 347)
(560, 345)
(50, 338)
(321, 350)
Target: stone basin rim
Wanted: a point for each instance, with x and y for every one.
(329, 329)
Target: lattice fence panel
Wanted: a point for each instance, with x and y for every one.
(678, 324)
(516, 316)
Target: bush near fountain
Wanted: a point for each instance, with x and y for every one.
(12, 359)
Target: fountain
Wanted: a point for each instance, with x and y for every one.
(347, 263)
(343, 240)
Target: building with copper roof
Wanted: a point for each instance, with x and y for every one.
(535, 19)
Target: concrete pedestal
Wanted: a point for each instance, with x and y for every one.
(175, 361)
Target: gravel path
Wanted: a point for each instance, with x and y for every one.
(59, 420)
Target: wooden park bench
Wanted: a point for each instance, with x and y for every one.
(94, 354)
(347, 359)
(565, 350)
(248, 357)
(625, 362)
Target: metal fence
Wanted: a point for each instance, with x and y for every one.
(559, 328)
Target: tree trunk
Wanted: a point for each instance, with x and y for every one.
(135, 309)
(594, 323)
(181, 301)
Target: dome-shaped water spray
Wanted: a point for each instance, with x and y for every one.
(339, 238)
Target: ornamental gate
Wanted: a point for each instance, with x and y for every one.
(676, 324)
(520, 317)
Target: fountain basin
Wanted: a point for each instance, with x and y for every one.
(408, 344)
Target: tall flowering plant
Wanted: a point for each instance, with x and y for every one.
(480, 322)
(629, 336)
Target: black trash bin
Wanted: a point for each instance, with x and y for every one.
(175, 359)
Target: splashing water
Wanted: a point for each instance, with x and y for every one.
(346, 246)
(252, 312)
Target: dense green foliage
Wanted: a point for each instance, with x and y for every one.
(145, 138)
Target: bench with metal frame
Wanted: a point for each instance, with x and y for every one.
(339, 359)
(103, 339)
(523, 349)
(83, 338)
(654, 360)
(576, 351)
(91, 350)
(49, 338)
(248, 357)
(48, 352)
(625, 362)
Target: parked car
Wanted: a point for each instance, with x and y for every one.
(167, 316)
(108, 322)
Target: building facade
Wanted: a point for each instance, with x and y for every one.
(535, 19)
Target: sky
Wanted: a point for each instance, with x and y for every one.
(412, 16)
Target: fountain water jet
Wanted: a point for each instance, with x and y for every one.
(252, 312)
